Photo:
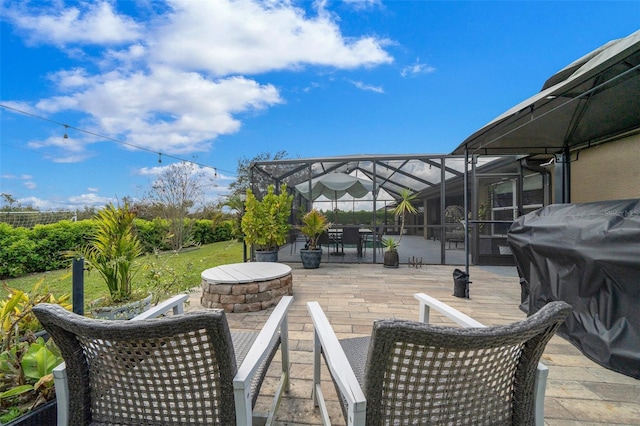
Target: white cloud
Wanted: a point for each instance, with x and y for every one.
(90, 200)
(64, 150)
(175, 83)
(89, 23)
(362, 86)
(93, 189)
(248, 37)
(17, 105)
(311, 86)
(205, 172)
(38, 203)
(12, 176)
(168, 110)
(75, 78)
(71, 203)
(30, 185)
(363, 4)
(417, 69)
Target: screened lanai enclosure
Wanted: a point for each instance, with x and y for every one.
(499, 190)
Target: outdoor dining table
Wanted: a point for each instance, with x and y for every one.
(335, 234)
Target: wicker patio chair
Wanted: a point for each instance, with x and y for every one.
(185, 369)
(412, 373)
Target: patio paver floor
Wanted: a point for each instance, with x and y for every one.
(579, 391)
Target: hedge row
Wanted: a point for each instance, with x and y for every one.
(42, 248)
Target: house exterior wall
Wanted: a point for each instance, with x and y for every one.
(610, 171)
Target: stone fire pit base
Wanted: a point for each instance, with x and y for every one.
(246, 287)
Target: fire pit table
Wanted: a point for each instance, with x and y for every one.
(245, 287)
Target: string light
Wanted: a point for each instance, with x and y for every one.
(66, 136)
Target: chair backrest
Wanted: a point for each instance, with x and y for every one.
(426, 374)
(324, 239)
(173, 370)
(350, 235)
(379, 233)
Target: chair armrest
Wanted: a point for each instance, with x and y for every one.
(61, 384)
(427, 302)
(175, 303)
(338, 363)
(247, 370)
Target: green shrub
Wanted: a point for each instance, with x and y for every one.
(153, 234)
(224, 231)
(17, 251)
(203, 231)
(265, 223)
(24, 251)
(51, 240)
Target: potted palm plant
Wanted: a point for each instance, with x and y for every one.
(405, 206)
(112, 252)
(314, 224)
(391, 258)
(265, 223)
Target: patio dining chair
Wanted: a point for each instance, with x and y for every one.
(409, 372)
(374, 240)
(351, 236)
(184, 369)
(330, 242)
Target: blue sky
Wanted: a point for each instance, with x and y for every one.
(217, 81)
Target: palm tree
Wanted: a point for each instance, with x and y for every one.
(405, 206)
(113, 250)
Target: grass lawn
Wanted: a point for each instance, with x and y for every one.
(165, 274)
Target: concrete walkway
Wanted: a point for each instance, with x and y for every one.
(579, 391)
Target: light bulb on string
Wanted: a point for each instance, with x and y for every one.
(65, 136)
(159, 158)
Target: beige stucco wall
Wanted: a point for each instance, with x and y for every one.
(610, 171)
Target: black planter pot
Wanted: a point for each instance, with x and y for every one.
(391, 259)
(46, 414)
(311, 258)
(122, 312)
(266, 256)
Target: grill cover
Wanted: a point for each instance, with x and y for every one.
(587, 255)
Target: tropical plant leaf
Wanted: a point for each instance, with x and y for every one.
(39, 361)
(18, 390)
